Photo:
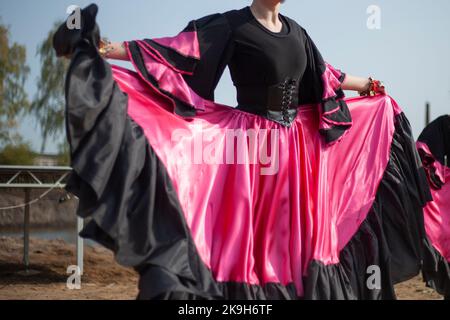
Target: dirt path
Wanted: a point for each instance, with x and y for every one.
(103, 278)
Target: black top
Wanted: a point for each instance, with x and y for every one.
(274, 73)
(263, 57)
(265, 66)
(285, 25)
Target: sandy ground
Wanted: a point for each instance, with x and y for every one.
(103, 278)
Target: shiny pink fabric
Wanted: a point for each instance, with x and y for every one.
(155, 55)
(331, 82)
(185, 43)
(168, 79)
(257, 228)
(437, 212)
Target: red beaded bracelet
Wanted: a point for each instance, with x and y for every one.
(375, 87)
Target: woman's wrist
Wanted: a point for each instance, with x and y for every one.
(354, 83)
(105, 47)
(366, 87)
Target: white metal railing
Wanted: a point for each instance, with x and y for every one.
(37, 177)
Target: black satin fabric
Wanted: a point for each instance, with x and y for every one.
(125, 192)
(437, 136)
(123, 188)
(436, 270)
(391, 235)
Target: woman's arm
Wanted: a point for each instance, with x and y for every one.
(364, 86)
(356, 83)
(113, 50)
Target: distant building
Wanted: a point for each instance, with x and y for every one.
(45, 160)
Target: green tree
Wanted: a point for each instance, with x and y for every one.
(13, 74)
(48, 104)
(63, 154)
(17, 154)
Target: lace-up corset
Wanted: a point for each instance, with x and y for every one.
(278, 102)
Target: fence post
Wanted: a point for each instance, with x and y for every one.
(26, 229)
(427, 113)
(80, 248)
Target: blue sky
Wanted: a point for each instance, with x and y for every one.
(411, 51)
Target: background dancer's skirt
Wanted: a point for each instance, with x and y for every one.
(305, 219)
(434, 145)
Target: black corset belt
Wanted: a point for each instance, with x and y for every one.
(277, 103)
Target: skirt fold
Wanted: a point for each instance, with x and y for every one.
(315, 228)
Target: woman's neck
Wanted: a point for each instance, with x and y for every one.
(267, 12)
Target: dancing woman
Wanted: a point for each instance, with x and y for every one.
(295, 193)
(434, 149)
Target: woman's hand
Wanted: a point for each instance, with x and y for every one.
(113, 50)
